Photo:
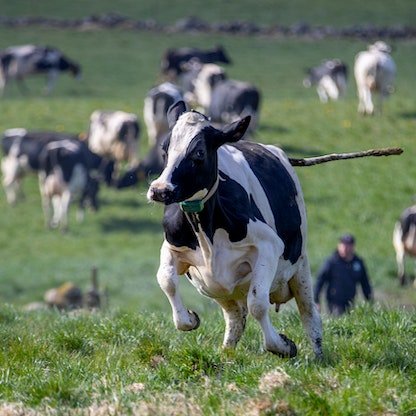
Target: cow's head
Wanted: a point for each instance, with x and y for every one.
(222, 55)
(191, 169)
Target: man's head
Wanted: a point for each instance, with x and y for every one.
(346, 246)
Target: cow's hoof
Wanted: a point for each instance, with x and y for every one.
(292, 348)
(194, 322)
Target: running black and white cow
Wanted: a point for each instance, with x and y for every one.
(173, 60)
(64, 175)
(18, 62)
(156, 105)
(235, 225)
(375, 72)
(330, 79)
(114, 135)
(225, 100)
(404, 240)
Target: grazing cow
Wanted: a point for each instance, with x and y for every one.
(404, 240)
(173, 60)
(374, 71)
(114, 135)
(63, 176)
(330, 79)
(225, 100)
(21, 152)
(156, 105)
(151, 165)
(235, 225)
(17, 62)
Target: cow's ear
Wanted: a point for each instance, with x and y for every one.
(236, 130)
(174, 112)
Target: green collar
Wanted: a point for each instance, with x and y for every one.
(198, 205)
(192, 206)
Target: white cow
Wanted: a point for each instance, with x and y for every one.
(114, 135)
(374, 71)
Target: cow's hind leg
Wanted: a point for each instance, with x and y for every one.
(235, 321)
(258, 302)
(300, 286)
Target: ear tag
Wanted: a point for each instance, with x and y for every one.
(192, 206)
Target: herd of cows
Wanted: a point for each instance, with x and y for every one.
(235, 221)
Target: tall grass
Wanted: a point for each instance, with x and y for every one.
(120, 363)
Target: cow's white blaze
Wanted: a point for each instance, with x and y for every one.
(187, 127)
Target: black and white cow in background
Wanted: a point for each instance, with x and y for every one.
(18, 62)
(225, 100)
(404, 240)
(173, 60)
(156, 105)
(375, 72)
(330, 79)
(114, 135)
(64, 176)
(235, 225)
(21, 153)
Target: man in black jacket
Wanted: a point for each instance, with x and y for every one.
(341, 273)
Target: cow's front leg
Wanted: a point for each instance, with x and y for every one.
(235, 321)
(167, 277)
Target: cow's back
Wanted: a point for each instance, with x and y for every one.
(265, 173)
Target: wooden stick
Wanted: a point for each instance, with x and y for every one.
(309, 161)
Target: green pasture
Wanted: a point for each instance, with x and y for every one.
(130, 355)
(364, 196)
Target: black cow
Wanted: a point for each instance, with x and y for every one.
(225, 100)
(173, 60)
(330, 79)
(235, 225)
(151, 165)
(17, 62)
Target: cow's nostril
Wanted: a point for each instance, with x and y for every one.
(160, 195)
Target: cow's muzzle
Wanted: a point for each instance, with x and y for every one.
(158, 194)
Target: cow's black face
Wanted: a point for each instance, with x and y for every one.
(191, 157)
(90, 195)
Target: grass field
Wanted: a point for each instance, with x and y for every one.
(131, 353)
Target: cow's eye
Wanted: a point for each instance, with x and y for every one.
(197, 158)
(199, 154)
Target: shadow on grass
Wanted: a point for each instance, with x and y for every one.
(410, 115)
(113, 224)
